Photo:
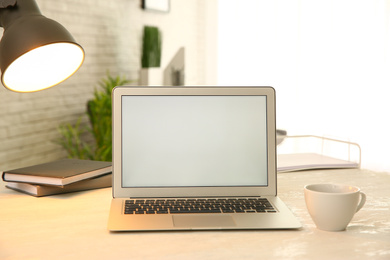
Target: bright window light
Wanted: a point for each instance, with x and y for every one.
(43, 67)
(329, 62)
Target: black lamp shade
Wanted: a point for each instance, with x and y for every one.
(35, 52)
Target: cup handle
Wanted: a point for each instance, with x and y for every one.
(362, 201)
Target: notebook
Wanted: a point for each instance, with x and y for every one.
(178, 151)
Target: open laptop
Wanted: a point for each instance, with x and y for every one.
(195, 158)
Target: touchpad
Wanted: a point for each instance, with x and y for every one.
(200, 221)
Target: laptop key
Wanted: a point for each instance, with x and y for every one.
(228, 211)
(210, 211)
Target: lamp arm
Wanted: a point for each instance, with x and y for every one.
(7, 3)
(16, 9)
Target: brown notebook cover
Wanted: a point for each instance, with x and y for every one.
(45, 190)
(60, 172)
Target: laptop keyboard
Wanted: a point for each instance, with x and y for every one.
(180, 206)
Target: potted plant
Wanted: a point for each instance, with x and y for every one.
(73, 137)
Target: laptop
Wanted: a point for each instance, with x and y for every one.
(195, 158)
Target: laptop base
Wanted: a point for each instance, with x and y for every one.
(282, 219)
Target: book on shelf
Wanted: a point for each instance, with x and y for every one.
(310, 161)
(37, 190)
(309, 152)
(59, 173)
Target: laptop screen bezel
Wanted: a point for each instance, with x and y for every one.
(167, 192)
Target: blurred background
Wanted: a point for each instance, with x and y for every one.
(327, 60)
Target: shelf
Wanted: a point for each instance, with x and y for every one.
(307, 152)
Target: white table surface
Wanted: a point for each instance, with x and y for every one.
(74, 226)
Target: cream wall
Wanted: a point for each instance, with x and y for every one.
(110, 32)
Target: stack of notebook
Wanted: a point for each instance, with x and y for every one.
(61, 176)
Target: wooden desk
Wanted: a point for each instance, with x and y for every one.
(74, 226)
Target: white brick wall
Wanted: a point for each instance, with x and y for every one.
(110, 33)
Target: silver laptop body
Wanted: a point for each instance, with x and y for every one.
(197, 144)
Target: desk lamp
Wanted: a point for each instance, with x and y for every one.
(36, 53)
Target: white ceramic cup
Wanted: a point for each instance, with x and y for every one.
(332, 206)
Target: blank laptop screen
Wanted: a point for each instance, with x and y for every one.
(194, 141)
